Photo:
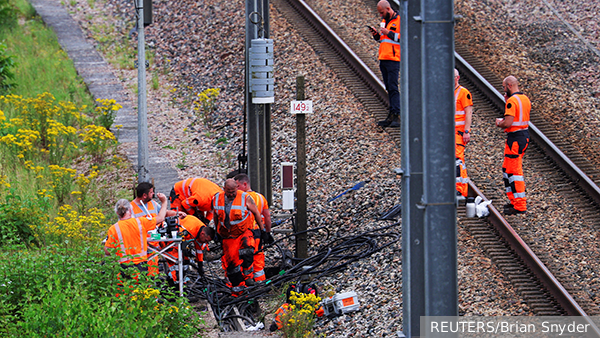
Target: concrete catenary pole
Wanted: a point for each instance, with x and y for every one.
(143, 170)
(439, 198)
(258, 115)
(413, 279)
(428, 184)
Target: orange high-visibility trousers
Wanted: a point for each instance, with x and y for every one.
(512, 168)
(238, 256)
(462, 179)
(259, 257)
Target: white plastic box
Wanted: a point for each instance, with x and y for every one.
(341, 303)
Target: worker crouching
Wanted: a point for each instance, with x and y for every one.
(234, 214)
(197, 235)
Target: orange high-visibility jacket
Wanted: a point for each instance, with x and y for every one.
(196, 193)
(193, 225)
(144, 210)
(261, 205)
(240, 217)
(519, 106)
(130, 237)
(462, 99)
(389, 49)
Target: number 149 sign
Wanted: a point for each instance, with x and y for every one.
(301, 107)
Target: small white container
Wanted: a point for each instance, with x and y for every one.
(174, 234)
(471, 207)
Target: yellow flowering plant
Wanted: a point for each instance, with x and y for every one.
(84, 183)
(61, 181)
(72, 228)
(97, 140)
(205, 104)
(106, 111)
(299, 320)
(37, 126)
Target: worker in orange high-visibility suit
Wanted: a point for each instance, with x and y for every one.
(260, 237)
(194, 196)
(144, 206)
(516, 124)
(192, 229)
(234, 214)
(462, 133)
(130, 235)
(388, 35)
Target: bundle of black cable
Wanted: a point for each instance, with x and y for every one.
(333, 256)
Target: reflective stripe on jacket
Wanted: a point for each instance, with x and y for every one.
(389, 49)
(143, 210)
(196, 192)
(130, 236)
(240, 218)
(519, 106)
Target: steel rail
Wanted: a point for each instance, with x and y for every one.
(554, 287)
(364, 72)
(549, 148)
(558, 292)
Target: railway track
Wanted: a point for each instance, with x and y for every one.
(575, 177)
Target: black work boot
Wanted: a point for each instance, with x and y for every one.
(387, 121)
(395, 122)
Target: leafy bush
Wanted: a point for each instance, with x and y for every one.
(74, 293)
(17, 216)
(8, 16)
(6, 64)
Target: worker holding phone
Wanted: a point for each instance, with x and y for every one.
(388, 35)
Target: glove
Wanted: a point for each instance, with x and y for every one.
(263, 236)
(201, 268)
(269, 239)
(185, 234)
(188, 249)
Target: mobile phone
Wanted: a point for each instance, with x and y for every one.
(371, 28)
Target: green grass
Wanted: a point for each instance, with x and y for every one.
(42, 66)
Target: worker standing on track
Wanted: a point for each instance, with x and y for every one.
(261, 237)
(130, 235)
(388, 35)
(194, 196)
(234, 215)
(462, 134)
(516, 124)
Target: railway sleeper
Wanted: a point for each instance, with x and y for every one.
(530, 287)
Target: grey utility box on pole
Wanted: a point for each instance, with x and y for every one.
(428, 163)
(261, 69)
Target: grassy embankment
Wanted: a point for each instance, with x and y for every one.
(60, 174)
